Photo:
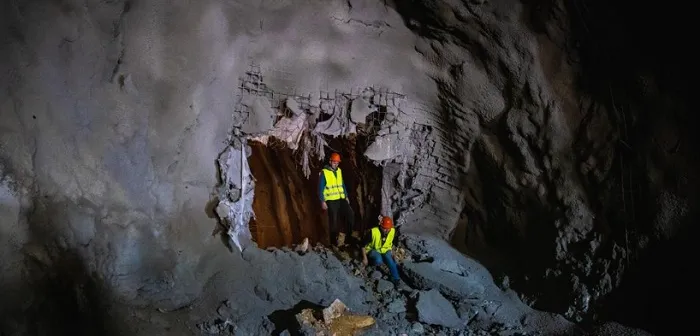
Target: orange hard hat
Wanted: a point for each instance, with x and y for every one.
(387, 223)
(335, 157)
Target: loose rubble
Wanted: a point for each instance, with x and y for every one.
(336, 320)
(433, 308)
(441, 292)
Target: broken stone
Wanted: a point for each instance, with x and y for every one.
(428, 275)
(349, 325)
(306, 318)
(396, 306)
(288, 130)
(384, 147)
(217, 327)
(224, 309)
(336, 321)
(261, 115)
(359, 110)
(433, 308)
(417, 328)
(303, 247)
(400, 254)
(336, 309)
(341, 239)
(222, 210)
(616, 329)
(467, 312)
(293, 106)
(332, 126)
(451, 266)
(384, 286)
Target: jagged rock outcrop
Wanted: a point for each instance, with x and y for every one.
(114, 113)
(566, 150)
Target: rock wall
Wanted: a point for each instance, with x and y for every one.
(114, 115)
(642, 71)
(511, 114)
(286, 204)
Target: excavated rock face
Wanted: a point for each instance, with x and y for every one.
(512, 114)
(497, 120)
(281, 220)
(642, 71)
(575, 176)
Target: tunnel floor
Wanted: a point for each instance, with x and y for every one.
(286, 204)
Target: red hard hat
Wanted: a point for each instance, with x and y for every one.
(335, 157)
(387, 223)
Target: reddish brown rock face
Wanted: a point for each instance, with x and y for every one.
(286, 204)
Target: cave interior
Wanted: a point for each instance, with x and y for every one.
(286, 203)
(636, 67)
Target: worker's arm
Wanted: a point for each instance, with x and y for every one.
(365, 261)
(365, 241)
(321, 186)
(345, 190)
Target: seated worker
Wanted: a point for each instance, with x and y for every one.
(378, 246)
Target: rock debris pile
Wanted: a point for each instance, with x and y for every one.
(442, 292)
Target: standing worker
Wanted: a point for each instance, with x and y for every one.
(379, 243)
(334, 198)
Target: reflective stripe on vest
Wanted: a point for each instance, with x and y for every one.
(376, 243)
(334, 186)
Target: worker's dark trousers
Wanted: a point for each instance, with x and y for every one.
(339, 210)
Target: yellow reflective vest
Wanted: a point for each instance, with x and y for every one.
(334, 185)
(376, 243)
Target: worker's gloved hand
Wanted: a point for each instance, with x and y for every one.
(324, 206)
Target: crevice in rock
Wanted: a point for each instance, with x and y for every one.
(118, 36)
(286, 203)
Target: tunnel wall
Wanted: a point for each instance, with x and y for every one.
(286, 204)
(642, 71)
(113, 114)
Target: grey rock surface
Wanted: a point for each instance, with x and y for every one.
(481, 309)
(384, 286)
(427, 275)
(433, 308)
(113, 114)
(613, 328)
(417, 328)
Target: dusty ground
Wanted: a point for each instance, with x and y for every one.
(441, 293)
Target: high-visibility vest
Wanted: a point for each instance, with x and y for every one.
(376, 243)
(334, 185)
